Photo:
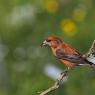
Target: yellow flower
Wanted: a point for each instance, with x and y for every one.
(79, 14)
(51, 6)
(68, 27)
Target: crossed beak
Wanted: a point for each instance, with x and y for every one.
(44, 43)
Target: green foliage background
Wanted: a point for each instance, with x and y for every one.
(24, 24)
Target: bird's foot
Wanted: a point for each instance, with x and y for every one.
(65, 72)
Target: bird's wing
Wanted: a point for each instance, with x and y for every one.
(69, 49)
(74, 58)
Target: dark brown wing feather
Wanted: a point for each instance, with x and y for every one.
(74, 58)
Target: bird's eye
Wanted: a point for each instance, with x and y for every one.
(48, 40)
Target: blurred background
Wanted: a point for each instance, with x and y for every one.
(25, 67)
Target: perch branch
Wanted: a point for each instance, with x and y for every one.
(56, 84)
(90, 55)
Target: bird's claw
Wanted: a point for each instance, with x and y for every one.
(64, 73)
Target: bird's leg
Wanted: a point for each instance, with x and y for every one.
(65, 71)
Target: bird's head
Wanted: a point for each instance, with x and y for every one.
(52, 41)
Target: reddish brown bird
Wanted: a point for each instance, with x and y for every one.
(65, 53)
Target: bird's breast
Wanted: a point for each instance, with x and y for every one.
(67, 63)
(54, 51)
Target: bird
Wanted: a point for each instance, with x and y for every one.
(65, 52)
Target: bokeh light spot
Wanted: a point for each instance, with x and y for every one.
(79, 14)
(68, 27)
(51, 6)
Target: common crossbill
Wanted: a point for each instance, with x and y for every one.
(65, 52)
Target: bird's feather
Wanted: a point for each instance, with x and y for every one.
(74, 58)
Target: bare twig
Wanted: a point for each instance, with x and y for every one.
(91, 50)
(56, 84)
(90, 55)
